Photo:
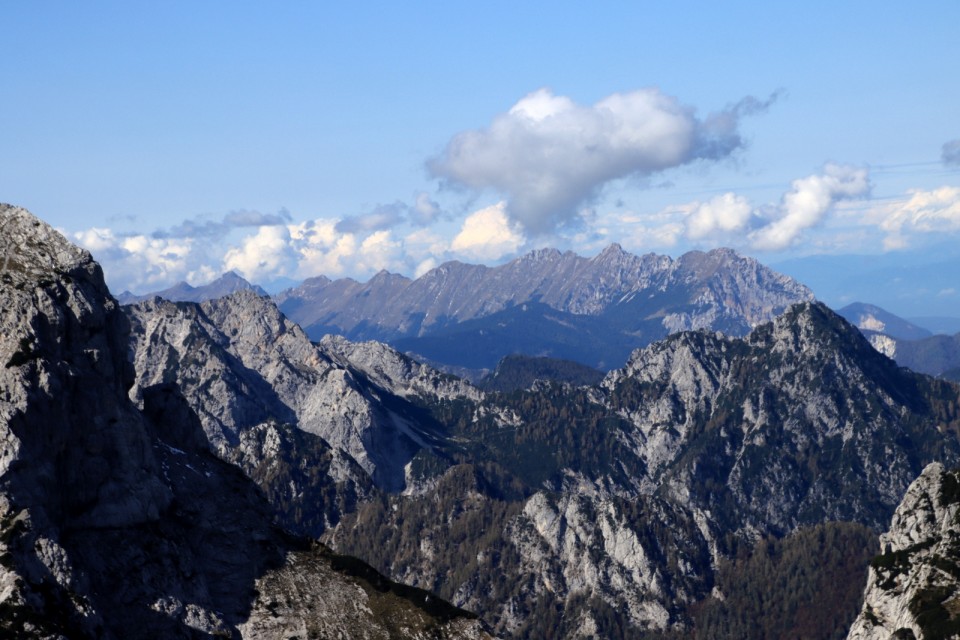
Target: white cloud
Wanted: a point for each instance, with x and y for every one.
(488, 234)
(806, 204)
(380, 251)
(263, 256)
(663, 236)
(145, 262)
(96, 239)
(723, 213)
(549, 155)
(425, 243)
(936, 211)
(425, 266)
(323, 250)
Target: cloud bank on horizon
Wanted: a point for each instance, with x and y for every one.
(545, 161)
(398, 237)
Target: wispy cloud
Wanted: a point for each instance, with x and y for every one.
(423, 212)
(950, 153)
(198, 228)
(382, 217)
(550, 156)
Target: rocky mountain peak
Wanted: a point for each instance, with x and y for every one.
(185, 292)
(812, 327)
(612, 250)
(541, 255)
(34, 252)
(384, 277)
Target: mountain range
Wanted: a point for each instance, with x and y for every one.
(117, 521)
(226, 284)
(645, 482)
(591, 310)
(203, 468)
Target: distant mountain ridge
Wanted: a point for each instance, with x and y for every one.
(616, 300)
(226, 284)
(870, 318)
(912, 346)
(937, 355)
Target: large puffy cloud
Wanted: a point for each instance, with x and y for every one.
(806, 204)
(550, 156)
(488, 234)
(950, 154)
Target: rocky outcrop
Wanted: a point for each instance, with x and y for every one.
(119, 523)
(913, 590)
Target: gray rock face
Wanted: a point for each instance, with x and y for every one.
(60, 332)
(117, 523)
(713, 435)
(585, 512)
(722, 283)
(240, 363)
(913, 590)
(937, 355)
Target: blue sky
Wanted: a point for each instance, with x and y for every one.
(178, 140)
